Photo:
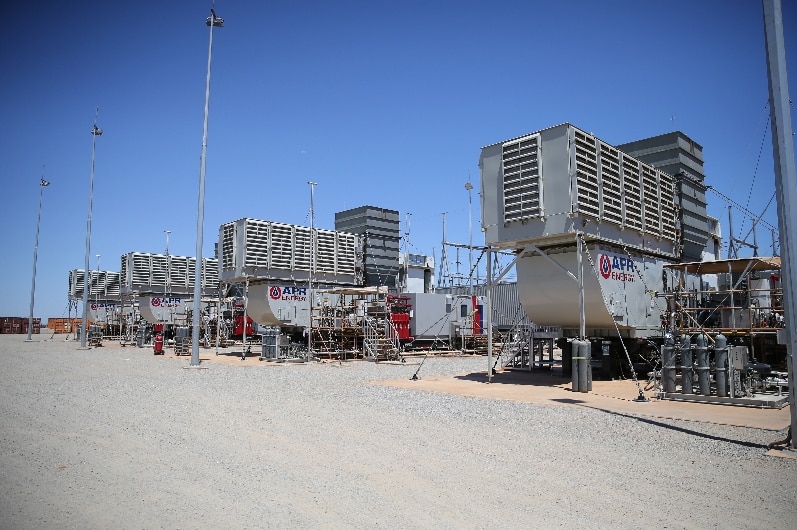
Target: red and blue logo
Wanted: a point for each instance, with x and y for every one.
(605, 266)
(287, 293)
(617, 268)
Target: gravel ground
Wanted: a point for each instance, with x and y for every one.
(119, 438)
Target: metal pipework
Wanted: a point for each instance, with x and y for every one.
(668, 364)
(721, 360)
(703, 366)
(686, 365)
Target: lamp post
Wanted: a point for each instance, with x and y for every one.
(97, 280)
(469, 187)
(213, 22)
(95, 132)
(312, 269)
(168, 265)
(42, 185)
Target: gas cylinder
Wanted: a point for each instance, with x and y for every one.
(158, 344)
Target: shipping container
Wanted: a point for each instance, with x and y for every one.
(63, 325)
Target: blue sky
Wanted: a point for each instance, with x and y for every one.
(381, 103)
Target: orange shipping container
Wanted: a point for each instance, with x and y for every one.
(63, 325)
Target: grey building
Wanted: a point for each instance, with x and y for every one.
(680, 156)
(381, 238)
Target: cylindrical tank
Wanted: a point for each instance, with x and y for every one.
(157, 346)
(668, 364)
(703, 367)
(588, 366)
(721, 360)
(584, 376)
(686, 365)
(575, 347)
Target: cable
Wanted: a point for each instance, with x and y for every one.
(641, 396)
(755, 171)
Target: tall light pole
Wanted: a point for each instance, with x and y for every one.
(469, 187)
(97, 300)
(168, 265)
(785, 185)
(42, 184)
(213, 22)
(95, 132)
(312, 269)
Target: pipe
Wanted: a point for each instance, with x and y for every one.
(721, 360)
(686, 365)
(703, 367)
(668, 364)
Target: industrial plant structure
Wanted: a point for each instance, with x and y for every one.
(615, 256)
(600, 238)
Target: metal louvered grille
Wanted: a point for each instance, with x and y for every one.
(667, 197)
(325, 251)
(210, 273)
(281, 246)
(301, 261)
(611, 185)
(178, 271)
(650, 201)
(227, 245)
(159, 267)
(123, 268)
(345, 250)
(141, 269)
(257, 244)
(587, 175)
(103, 285)
(153, 270)
(264, 249)
(633, 196)
(521, 179)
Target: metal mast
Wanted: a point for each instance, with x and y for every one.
(95, 132)
(785, 183)
(42, 184)
(213, 22)
(312, 269)
(469, 187)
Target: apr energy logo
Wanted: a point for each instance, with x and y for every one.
(287, 293)
(616, 268)
(164, 301)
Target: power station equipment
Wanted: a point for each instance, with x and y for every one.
(265, 250)
(543, 190)
(167, 275)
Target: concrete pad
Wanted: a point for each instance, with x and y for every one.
(615, 397)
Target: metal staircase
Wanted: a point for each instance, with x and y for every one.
(380, 340)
